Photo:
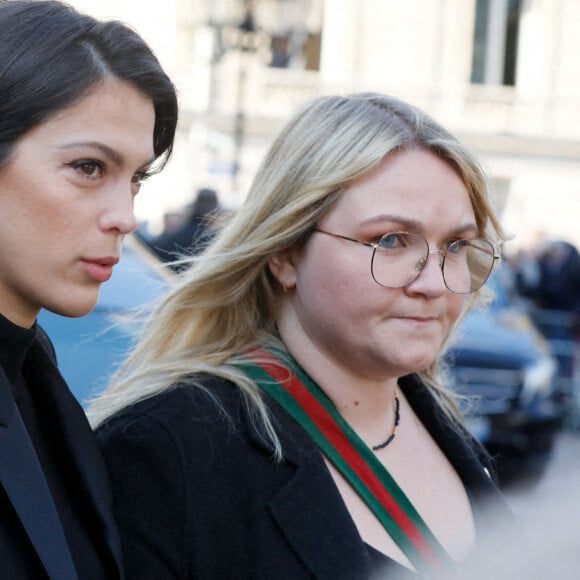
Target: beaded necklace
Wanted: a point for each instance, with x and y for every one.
(390, 438)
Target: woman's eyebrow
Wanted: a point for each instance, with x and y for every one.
(109, 152)
(413, 225)
(469, 227)
(115, 156)
(404, 222)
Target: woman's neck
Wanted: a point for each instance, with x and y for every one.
(365, 402)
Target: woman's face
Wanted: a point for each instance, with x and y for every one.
(66, 201)
(335, 310)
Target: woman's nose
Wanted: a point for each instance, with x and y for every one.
(419, 267)
(430, 278)
(119, 213)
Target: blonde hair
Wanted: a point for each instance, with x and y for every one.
(224, 303)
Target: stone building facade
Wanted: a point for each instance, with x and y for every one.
(504, 75)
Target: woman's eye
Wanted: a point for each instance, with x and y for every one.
(89, 167)
(140, 176)
(457, 246)
(391, 241)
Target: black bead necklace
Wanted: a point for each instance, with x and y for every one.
(395, 426)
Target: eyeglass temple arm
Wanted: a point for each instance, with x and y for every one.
(368, 244)
(371, 245)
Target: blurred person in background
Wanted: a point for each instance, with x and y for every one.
(86, 114)
(559, 278)
(548, 273)
(193, 235)
(548, 276)
(282, 415)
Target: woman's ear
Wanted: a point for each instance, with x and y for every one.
(283, 268)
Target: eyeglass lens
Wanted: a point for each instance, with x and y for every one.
(400, 257)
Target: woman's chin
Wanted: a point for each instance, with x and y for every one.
(74, 309)
(420, 363)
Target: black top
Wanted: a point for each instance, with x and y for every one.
(198, 494)
(29, 372)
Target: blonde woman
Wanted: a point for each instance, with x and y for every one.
(280, 416)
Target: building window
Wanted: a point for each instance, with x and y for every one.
(495, 43)
(303, 54)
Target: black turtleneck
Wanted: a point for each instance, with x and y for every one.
(31, 388)
(15, 342)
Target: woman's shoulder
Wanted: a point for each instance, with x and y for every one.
(201, 403)
(208, 411)
(201, 428)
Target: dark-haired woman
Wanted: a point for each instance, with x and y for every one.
(86, 114)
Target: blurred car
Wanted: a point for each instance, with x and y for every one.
(508, 373)
(90, 348)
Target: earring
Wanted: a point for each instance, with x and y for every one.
(284, 288)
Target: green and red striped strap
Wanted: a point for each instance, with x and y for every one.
(284, 380)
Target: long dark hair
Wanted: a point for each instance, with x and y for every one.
(51, 55)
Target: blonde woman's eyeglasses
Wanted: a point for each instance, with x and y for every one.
(398, 259)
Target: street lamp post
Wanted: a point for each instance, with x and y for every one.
(246, 47)
(239, 35)
(247, 29)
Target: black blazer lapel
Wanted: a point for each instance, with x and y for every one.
(309, 509)
(311, 514)
(82, 451)
(461, 449)
(468, 457)
(25, 485)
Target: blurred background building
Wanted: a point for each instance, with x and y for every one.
(503, 75)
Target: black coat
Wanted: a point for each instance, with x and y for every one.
(198, 495)
(32, 540)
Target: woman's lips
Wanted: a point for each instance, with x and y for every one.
(419, 321)
(100, 270)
